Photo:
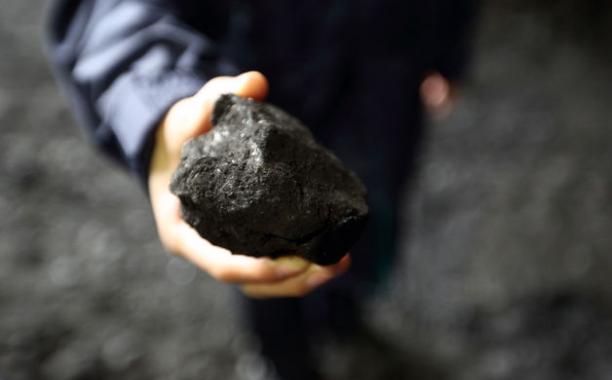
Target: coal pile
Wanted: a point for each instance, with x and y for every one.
(259, 184)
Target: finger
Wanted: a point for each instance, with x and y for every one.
(300, 285)
(254, 85)
(191, 116)
(292, 287)
(251, 85)
(226, 267)
(326, 273)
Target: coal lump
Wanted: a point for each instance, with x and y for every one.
(259, 184)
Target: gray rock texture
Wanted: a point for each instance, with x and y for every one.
(259, 184)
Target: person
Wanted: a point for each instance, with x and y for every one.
(142, 77)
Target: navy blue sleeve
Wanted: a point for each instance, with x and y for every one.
(122, 64)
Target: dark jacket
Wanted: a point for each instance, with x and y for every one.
(355, 63)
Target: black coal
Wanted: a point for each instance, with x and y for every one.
(259, 184)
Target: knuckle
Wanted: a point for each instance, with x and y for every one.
(214, 86)
(181, 107)
(223, 274)
(266, 271)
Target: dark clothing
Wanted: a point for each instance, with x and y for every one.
(350, 69)
(123, 63)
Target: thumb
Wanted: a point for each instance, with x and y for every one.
(191, 116)
(251, 85)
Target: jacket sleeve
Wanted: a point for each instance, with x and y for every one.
(122, 64)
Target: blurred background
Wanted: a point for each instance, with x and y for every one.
(507, 271)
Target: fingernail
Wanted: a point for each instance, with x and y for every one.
(287, 266)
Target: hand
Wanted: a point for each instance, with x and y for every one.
(257, 277)
(438, 95)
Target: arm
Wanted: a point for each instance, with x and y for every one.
(130, 70)
(122, 65)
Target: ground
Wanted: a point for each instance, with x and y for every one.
(506, 265)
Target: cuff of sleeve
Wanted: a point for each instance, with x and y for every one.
(135, 106)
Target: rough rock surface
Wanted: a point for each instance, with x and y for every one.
(259, 184)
